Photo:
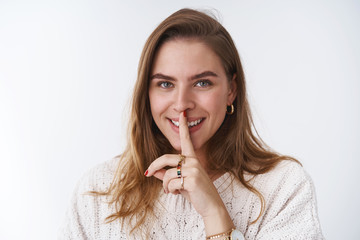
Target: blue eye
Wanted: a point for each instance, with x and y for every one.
(165, 84)
(203, 83)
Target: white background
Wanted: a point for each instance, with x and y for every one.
(67, 69)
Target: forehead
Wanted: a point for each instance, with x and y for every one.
(186, 56)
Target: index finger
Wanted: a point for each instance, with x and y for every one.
(187, 147)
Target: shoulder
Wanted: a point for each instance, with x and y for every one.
(285, 174)
(86, 213)
(287, 180)
(290, 203)
(287, 167)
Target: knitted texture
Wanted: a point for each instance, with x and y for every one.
(290, 208)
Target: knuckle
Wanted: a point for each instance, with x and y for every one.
(190, 183)
(197, 165)
(192, 161)
(166, 176)
(195, 171)
(154, 164)
(166, 156)
(171, 186)
(187, 137)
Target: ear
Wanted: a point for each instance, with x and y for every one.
(232, 91)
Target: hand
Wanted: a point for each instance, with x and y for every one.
(198, 187)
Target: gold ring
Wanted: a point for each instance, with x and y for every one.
(182, 158)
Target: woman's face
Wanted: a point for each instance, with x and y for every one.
(188, 75)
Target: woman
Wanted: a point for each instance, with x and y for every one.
(206, 173)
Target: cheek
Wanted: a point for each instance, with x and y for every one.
(157, 105)
(216, 103)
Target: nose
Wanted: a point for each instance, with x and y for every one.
(184, 100)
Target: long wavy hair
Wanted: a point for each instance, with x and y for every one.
(235, 147)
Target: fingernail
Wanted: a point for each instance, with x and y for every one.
(184, 113)
(146, 173)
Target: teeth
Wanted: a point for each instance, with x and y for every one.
(175, 123)
(190, 124)
(194, 123)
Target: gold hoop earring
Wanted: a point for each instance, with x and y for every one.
(230, 109)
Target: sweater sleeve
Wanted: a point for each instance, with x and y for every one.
(86, 213)
(292, 211)
(75, 219)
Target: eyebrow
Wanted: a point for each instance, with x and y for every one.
(161, 76)
(197, 76)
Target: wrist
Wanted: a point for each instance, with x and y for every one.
(218, 222)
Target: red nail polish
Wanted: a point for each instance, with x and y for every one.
(146, 173)
(184, 113)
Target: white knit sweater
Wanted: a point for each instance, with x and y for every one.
(290, 211)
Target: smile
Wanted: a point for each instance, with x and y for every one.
(190, 124)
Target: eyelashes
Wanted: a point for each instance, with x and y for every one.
(165, 84)
(201, 84)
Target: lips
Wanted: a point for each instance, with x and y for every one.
(190, 124)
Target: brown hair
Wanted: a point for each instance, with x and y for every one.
(234, 147)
